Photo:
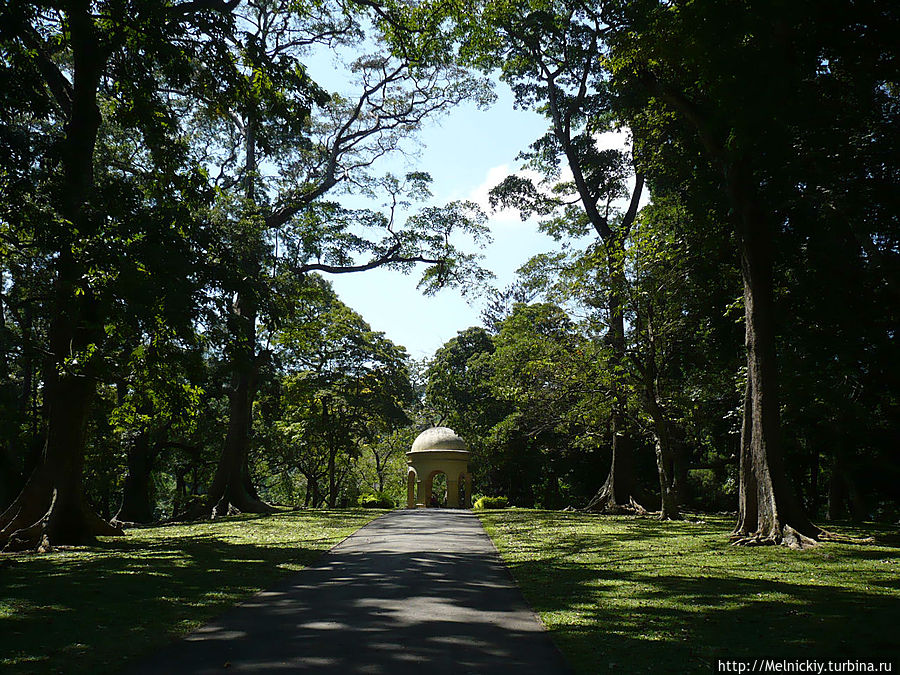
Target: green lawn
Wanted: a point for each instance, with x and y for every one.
(90, 609)
(626, 594)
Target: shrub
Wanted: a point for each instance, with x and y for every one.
(490, 503)
(376, 501)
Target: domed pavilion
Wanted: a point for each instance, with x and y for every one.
(435, 451)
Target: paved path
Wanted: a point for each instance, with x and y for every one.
(413, 592)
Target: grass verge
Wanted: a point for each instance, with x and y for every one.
(631, 595)
(89, 610)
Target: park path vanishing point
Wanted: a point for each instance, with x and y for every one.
(416, 591)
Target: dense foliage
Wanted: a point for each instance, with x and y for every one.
(165, 175)
(719, 330)
(767, 141)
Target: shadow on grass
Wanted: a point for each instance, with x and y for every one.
(90, 609)
(635, 595)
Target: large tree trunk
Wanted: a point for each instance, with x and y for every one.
(769, 512)
(665, 457)
(665, 462)
(617, 493)
(379, 470)
(232, 489)
(332, 478)
(179, 499)
(51, 508)
(331, 465)
(815, 502)
(316, 493)
(137, 502)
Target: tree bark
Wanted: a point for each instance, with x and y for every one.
(665, 457)
(137, 503)
(51, 508)
(332, 478)
(768, 510)
(179, 499)
(665, 461)
(232, 490)
(331, 469)
(617, 493)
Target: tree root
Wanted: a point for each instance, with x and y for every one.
(31, 524)
(668, 517)
(845, 539)
(228, 505)
(196, 510)
(604, 503)
(31, 537)
(242, 504)
(784, 536)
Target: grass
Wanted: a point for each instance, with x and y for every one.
(89, 610)
(627, 594)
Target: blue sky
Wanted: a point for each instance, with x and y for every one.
(466, 153)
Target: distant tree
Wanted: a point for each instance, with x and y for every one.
(387, 451)
(500, 303)
(279, 146)
(157, 407)
(555, 385)
(343, 385)
(456, 391)
(552, 60)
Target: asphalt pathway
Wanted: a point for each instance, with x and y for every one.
(419, 591)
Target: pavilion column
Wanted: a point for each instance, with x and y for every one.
(421, 489)
(452, 493)
(411, 490)
(468, 504)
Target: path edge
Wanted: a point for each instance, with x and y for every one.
(133, 663)
(528, 604)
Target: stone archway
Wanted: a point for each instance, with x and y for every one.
(437, 495)
(439, 450)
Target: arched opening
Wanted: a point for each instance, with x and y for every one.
(437, 489)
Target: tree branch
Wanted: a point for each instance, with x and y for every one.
(390, 257)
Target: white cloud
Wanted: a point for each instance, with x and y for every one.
(506, 216)
(620, 139)
(479, 195)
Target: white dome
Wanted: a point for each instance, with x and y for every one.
(438, 438)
